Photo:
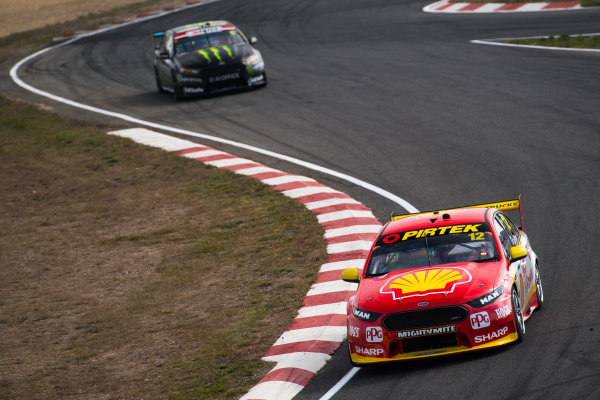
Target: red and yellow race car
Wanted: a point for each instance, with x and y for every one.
(443, 282)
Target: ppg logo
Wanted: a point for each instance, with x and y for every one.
(480, 320)
(374, 334)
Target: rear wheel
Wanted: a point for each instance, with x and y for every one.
(539, 290)
(518, 314)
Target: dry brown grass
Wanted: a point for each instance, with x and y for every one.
(129, 272)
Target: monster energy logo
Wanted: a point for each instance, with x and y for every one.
(216, 51)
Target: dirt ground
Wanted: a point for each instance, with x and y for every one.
(24, 15)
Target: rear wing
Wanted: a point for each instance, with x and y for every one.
(507, 205)
(158, 38)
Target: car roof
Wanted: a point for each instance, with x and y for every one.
(201, 25)
(437, 218)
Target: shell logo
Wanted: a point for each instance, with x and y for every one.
(426, 281)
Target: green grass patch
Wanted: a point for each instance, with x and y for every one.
(565, 41)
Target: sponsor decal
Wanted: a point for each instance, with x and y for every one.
(504, 311)
(491, 336)
(367, 351)
(437, 231)
(365, 315)
(426, 331)
(185, 79)
(196, 32)
(425, 282)
(374, 334)
(353, 331)
(480, 320)
(193, 90)
(487, 299)
(255, 79)
(224, 77)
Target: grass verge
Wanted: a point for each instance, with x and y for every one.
(129, 272)
(565, 41)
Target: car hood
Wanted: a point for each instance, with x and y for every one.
(215, 56)
(436, 286)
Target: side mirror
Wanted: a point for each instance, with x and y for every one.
(163, 54)
(350, 275)
(517, 253)
(253, 40)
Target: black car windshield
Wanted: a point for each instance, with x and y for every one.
(436, 250)
(202, 41)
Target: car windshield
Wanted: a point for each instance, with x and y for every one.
(428, 251)
(201, 41)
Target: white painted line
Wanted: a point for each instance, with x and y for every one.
(340, 265)
(312, 362)
(337, 215)
(492, 42)
(280, 180)
(331, 233)
(326, 333)
(340, 384)
(331, 287)
(324, 309)
(273, 390)
(265, 390)
(14, 74)
(330, 202)
(349, 246)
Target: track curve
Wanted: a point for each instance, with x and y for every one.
(399, 98)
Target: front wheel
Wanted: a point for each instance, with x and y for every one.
(177, 90)
(158, 82)
(539, 290)
(518, 314)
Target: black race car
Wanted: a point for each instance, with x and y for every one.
(206, 57)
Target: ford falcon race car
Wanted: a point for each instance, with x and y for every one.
(443, 282)
(206, 57)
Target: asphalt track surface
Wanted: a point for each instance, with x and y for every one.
(399, 98)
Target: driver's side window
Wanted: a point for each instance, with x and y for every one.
(503, 235)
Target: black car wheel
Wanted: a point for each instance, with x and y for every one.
(518, 314)
(158, 83)
(177, 90)
(539, 290)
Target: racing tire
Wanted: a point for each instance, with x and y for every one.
(539, 289)
(158, 83)
(177, 90)
(518, 314)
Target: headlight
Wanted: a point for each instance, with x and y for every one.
(486, 299)
(190, 71)
(254, 59)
